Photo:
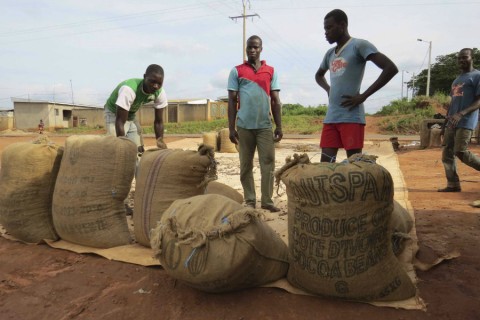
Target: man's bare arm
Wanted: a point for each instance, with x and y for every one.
(232, 115)
(158, 125)
(389, 70)
(120, 120)
(277, 114)
(320, 79)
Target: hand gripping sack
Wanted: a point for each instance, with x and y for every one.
(214, 244)
(338, 227)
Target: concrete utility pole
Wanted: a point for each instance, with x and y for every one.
(244, 16)
(429, 63)
(403, 84)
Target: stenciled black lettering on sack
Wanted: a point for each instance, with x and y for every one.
(172, 254)
(83, 228)
(75, 180)
(391, 287)
(341, 187)
(71, 210)
(339, 248)
(74, 154)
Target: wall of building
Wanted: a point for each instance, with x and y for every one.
(28, 114)
(88, 117)
(192, 112)
(217, 110)
(6, 120)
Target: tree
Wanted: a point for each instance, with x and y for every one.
(442, 73)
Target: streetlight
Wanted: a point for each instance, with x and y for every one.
(403, 83)
(429, 60)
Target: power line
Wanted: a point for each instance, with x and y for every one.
(378, 5)
(108, 29)
(244, 16)
(104, 20)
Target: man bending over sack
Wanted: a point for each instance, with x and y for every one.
(127, 98)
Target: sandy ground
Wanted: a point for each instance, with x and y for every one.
(39, 282)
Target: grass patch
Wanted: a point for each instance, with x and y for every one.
(80, 130)
(290, 125)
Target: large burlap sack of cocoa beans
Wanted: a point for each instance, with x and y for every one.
(94, 180)
(167, 175)
(338, 226)
(27, 180)
(214, 244)
(210, 139)
(216, 187)
(226, 146)
(435, 138)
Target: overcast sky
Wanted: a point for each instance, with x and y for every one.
(71, 50)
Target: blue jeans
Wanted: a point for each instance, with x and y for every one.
(456, 141)
(131, 130)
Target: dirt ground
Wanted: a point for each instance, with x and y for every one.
(39, 282)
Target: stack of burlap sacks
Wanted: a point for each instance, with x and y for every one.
(339, 216)
(77, 194)
(219, 141)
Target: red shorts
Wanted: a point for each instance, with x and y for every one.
(348, 136)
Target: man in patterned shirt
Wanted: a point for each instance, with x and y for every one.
(253, 86)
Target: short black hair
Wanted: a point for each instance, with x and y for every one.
(337, 15)
(154, 68)
(255, 37)
(468, 49)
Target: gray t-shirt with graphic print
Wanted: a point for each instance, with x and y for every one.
(346, 74)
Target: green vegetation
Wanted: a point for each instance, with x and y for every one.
(80, 130)
(405, 117)
(296, 119)
(298, 109)
(192, 127)
(399, 117)
(301, 124)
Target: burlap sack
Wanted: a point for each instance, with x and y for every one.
(94, 180)
(400, 225)
(214, 244)
(435, 138)
(210, 139)
(226, 146)
(216, 187)
(338, 226)
(164, 176)
(27, 181)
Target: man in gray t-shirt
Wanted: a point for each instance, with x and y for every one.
(344, 124)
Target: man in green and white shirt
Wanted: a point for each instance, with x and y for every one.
(126, 100)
